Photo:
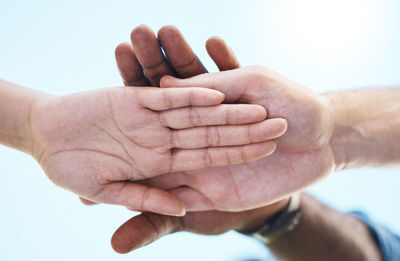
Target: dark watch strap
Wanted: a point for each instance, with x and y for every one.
(283, 222)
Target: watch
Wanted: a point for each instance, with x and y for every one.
(283, 222)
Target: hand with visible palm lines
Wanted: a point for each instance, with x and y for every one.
(97, 143)
(148, 227)
(303, 154)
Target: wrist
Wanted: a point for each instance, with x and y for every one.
(340, 137)
(16, 107)
(366, 128)
(259, 216)
(36, 115)
(278, 225)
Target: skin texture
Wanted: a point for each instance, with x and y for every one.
(349, 236)
(304, 151)
(148, 227)
(121, 135)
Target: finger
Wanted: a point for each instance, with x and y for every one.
(193, 199)
(142, 230)
(167, 181)
(179, 53)
(184, 160)
(229, 135)
(129, 67)
(221, 81)
(142, 198)
(164, 99)
(148, 51)
(216, 115)
(87, 202)
(221, 54)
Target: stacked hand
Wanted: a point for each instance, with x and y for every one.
(304, 151)
(201, 142)
(178, 139)
(96, 144)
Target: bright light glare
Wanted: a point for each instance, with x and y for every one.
(327, 27)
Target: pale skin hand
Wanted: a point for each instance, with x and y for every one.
(96, 143)
(148, 227)
(303, 156)
(354, 128)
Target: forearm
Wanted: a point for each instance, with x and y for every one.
(367, 128)
(325, 234)
(15, 122)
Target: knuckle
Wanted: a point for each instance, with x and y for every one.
(194, 117)
(191, 96)
(172, 161)
(175, 139)
(243, 154)
(167, 100)
(217, 137)
(229, 116)
(212, 136)
(228, 158)
(207, 158)
(150, 219)
(162, 119)
(249, 134)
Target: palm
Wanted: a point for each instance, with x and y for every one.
(122, 134)
(219, 187)
(303, 154)
(103, 142)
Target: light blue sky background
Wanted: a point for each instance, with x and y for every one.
(68, 46)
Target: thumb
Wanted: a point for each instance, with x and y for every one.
(143, 230)
(227, 82)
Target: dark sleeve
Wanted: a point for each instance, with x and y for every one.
(387, 241)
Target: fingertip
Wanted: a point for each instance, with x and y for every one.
(140, 29)
(180, 210)
(87, 202)
(221, 96)
(270, 147)
(117, 248)
(183, 213)
(124, 54)
(166, 81)
(263, 150)
(142, 34)
(214, 41)
(282, 126)
(165, 203)
(260, 113)
(120, 246)
(221, 54)
(211, 97)
(167, 30)
(123, 48)
(285, 126)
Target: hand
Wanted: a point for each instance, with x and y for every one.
(303, 155)
(95, 144)
(148, 227)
